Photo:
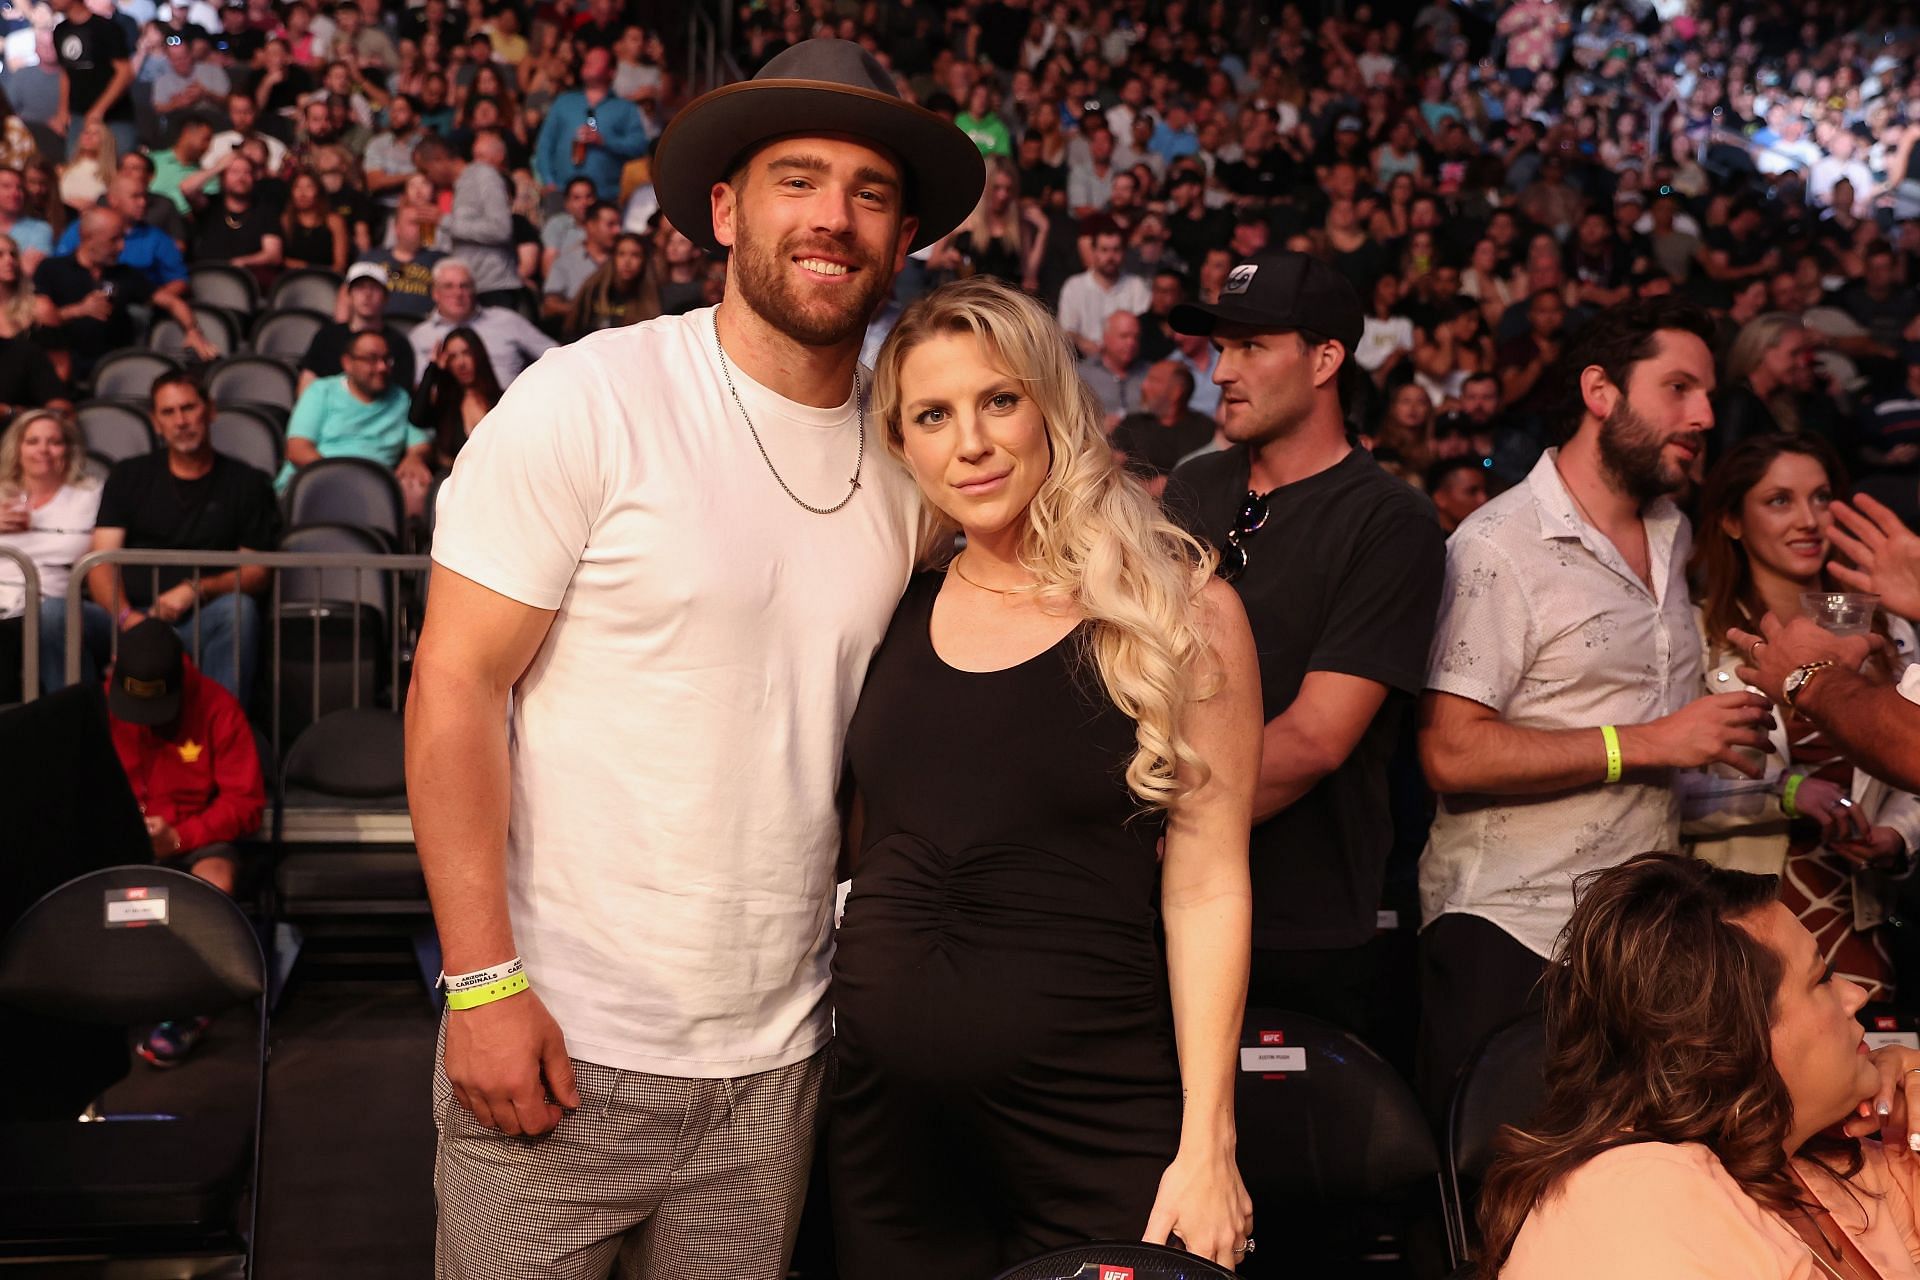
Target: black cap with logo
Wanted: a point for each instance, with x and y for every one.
(1280, 291)
(148, 675)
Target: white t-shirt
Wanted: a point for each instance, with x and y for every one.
(677, 740)
(56, 536)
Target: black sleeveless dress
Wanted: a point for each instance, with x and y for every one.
(1006, 1080)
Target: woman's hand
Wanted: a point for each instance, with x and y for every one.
(1894, 1109)
(1203, 1201)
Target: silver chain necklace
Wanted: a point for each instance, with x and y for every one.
(858, 412)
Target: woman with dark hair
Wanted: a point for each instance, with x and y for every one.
(1708, 1087)
(41, 182)
(315, 235)
(457, 390)
(611, 296)
(1831, 832)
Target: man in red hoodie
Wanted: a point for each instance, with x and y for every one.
(189, 754)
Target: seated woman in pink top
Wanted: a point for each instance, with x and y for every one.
(1707, 1089)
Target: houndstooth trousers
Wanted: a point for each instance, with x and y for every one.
(652, 1178)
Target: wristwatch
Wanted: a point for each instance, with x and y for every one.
(1798, 679)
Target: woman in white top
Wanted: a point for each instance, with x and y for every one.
(1483, 282)
(1839, 835)
(47, 509)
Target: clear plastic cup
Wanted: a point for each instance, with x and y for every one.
(1845, 613)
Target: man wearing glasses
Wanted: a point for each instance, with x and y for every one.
(359, 413)
(1339, 566)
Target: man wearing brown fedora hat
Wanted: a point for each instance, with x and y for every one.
(663, 563)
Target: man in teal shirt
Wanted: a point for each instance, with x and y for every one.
(191, 138)
(360, 414)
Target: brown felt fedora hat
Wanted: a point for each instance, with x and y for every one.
(817, 86)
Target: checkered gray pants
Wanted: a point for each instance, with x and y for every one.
(652, 1178)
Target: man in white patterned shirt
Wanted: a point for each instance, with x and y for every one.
(1566, 609)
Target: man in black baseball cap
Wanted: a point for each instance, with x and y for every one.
(148, 676)
(1339, 566)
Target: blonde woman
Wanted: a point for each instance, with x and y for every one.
(1021, 1066)
(83, 178)
(16, 290)
(47, 509)
(1000, 238)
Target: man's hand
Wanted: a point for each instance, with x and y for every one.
(1882, 845)
(166, 841)
(508, 1065)
(1885, 554)
(201, 348)
(1710, 730)
(1842, 824)
(413, 471)
(1779, 650)
(174, 603)
(95, 306)
(60, 122)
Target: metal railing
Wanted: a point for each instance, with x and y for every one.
(30, 623)
(710, 61)
(313, 609)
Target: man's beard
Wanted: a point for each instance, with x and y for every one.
(1630, 449)
(827, 318)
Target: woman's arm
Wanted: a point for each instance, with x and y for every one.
(1206, 898)
(337, 226)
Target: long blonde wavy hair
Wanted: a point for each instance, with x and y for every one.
(1095, 541)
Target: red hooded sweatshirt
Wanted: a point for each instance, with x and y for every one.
(204, 779)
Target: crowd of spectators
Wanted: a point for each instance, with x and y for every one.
(1489, 177)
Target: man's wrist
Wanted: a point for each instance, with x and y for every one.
(1639, 748)
(1819, 690)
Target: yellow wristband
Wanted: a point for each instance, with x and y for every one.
(1611, 736)
(488, 994)
(1786, 796)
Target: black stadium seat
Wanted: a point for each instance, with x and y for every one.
(217, 326)
(307, 290)
(253, 380)
(219, 285)
(286, 334)
(348, 491)
(114, 431)
(1334, 1147)
(249, 435)
(335, 647)
(127, 947)
(345, 845)
(1503, 1083)
(129, 374)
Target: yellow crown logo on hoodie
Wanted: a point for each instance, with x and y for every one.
(190, 751)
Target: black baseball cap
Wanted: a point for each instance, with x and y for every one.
(148, 675)
(1280, 291)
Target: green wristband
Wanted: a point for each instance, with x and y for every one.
(488, 994)
(1786, 797)
(1611, 736)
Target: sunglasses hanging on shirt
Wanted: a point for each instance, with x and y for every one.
(1252, 519)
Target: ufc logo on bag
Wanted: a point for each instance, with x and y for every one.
(1116, 1273)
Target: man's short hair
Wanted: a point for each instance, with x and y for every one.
(1617, 339)
(177, 378)
(432, 149)
(1443, 470)
(598, 207)
(187, 122)
(447, 266)
(1483, 375)
(578, 182)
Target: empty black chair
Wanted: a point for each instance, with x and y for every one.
(305, 290)
(129, 374)
(249, 435)
(335, 646)
(1503, 1083)
(345, 845)
(129, 946)
(114, 431)
(219, 285)
(286, 334)
(216, 326)
(1128, 1258)
(1334, 1147)
(348, 491)
(253, 380)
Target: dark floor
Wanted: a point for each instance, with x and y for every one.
(349, 1138)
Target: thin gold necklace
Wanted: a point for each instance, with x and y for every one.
(954, 564)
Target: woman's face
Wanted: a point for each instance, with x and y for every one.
(43, 451)
(339, 79)
(92, 138)
(1818, 1047)
(9, 264)
(628, 261)
(678, 250)
(305, 192)
(1784, 521)
(460, 361)
(1386, 292)
(486, 82)
(973, 438)
(34, 178)
(1486, 255)
(1412, 406)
